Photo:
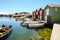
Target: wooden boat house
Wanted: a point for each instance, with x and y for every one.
(38, 14)
(52, 13)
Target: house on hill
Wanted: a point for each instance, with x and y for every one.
(52, 13)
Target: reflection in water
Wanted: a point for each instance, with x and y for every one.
(19, 32)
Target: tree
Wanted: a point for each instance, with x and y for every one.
(16, 13)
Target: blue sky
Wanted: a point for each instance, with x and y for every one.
(12, 6)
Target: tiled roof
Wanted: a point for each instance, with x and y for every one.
(54, 5)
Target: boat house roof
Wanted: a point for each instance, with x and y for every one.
(53, 5)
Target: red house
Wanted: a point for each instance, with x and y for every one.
(38, 14)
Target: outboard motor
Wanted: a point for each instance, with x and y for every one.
(3, 26)
(10, 26)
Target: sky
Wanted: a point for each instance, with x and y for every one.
(12, 6)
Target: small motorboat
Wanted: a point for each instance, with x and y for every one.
(4, 31)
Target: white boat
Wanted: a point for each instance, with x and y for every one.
(24, 24)
(33, 23)
(28, 22)
(36, 25)
(4, 31)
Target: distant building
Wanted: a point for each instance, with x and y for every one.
(52, 13)
(38, 14)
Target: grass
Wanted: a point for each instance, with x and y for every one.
(45, 33)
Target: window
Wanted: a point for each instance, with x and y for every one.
(47, 11)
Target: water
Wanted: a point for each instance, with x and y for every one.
(18, 32)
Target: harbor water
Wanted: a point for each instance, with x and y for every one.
(18, 32)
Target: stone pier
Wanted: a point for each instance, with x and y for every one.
(55, 32)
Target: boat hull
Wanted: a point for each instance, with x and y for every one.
(36, 25)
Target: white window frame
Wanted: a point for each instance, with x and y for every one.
(47, 11)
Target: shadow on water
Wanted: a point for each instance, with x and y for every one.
(49, 25)
(35, 27)
(6, 36)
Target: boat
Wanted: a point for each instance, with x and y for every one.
(35, 25)
(4, 31)
(26, 23)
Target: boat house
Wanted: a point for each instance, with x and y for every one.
(38, 14)
(52, 13)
